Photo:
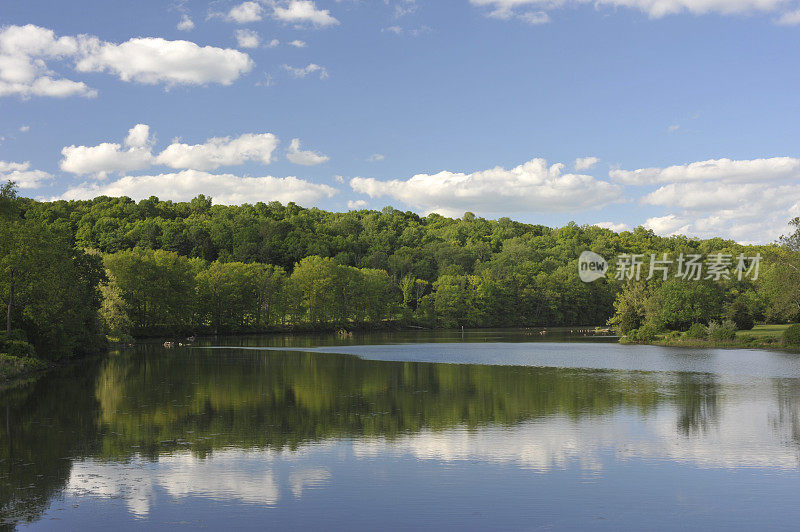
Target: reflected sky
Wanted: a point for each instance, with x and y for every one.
(249, 438)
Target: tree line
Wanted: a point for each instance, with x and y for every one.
(73, 270)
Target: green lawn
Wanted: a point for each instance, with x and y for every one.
(764, 331)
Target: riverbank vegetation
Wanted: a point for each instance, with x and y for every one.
(672, 311)
(74, 271)
(48, 287)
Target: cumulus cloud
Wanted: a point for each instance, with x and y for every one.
(153, 60)
(227, 189)
(246, 12)
(136, 154)
(185, 23)
(790, 18)
(24, 129)
(753, 170)
(24, 51)
(522, 9)
(220, 151)
(22, 174)
(302, 72)
(297, 44)
(584, 163)
(23, 68)
(304, 157)
(375, 157)
(616, 227)
(303, 12)
(747, 200)
(247, 38)
(532, 186)
(355, 205)
(106, 158)
(750, 212)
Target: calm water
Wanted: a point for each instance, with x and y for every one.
(489, 430)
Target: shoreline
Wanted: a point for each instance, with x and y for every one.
(16, 371)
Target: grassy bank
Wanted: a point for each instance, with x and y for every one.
(768, 336)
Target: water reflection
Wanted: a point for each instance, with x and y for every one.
(151, 428)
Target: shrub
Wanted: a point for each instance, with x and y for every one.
(645, 333)
(11, 366)
(697, 331)
(16, 334)
(792, 335)
(722, 331)
(741, 315)
(17, 348)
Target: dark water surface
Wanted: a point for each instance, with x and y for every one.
(487, 430)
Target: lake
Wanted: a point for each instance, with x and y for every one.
(482, 429)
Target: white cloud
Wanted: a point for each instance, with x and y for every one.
(535, 18)
(529, 187)
(273, 43)
(153, 60)
(246, 12)
(416, 32)
(266, 81)
(138, 136)
(584, 163)
(106, 158)
(732, 171)
(247, 38)
(24, 129)
(185, 23)
(673, 128)
(507, 9)
(406, 7)
(7, 166)
(355, 205)
(301, 72)
(220, 151)
(616, 227)
(303, 12)
(668, 225)
(306, 158)
(226, 189)
(790, 18)
(375, 157)
(749, 201)
(25, 49)
(23, 70)
(298, 44)
(22, 175)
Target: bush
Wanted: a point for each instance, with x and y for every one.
(17, 348)
(645, 333)
(791, 336)
(11, 366)
(697, 331)
(741, 315)
(722, 331)
(16, 334)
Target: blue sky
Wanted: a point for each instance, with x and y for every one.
(684, 114)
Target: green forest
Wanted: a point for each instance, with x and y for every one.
(73, 273)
